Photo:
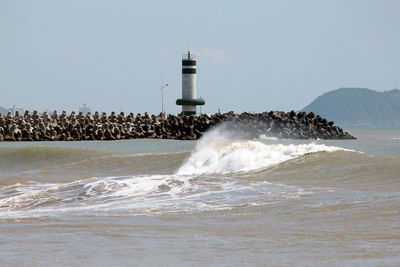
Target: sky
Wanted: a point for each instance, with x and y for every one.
(252, 55)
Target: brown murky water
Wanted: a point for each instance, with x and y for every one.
(218, 201)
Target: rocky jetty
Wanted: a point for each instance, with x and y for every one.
(100, 126)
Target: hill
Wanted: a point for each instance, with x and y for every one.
(3, 111)
(358, 107)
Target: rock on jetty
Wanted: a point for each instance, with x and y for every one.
(74, 127)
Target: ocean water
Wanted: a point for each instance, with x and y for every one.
(216, 201)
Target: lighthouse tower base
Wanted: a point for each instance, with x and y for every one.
(189, 105)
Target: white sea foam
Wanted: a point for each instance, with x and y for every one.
(156, 194)
(269, 138)
(217, 152)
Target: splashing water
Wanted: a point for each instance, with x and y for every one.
(216, 153)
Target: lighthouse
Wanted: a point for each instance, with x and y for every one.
(189, 100)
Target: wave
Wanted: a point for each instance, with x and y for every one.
(43, 155)
(55, 164)
(269, 138)
(339, 169)
(222, 172)
(139, 195)
(216, 153)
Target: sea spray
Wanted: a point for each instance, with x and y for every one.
(220, 152)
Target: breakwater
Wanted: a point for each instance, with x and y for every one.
(100, 126)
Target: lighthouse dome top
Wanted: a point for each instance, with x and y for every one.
(189, 55)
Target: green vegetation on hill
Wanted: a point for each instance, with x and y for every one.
(358, 106)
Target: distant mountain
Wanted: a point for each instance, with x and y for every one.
(3, 111)
(358, 106)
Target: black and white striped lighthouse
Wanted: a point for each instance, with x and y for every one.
(189, 100)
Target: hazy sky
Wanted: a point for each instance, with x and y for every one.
(252, 55)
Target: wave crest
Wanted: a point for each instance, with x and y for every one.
(217, 154)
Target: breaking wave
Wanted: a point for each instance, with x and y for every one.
(218, 154)
(139, 195)
(149, 183)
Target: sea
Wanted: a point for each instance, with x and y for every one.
(218, 201)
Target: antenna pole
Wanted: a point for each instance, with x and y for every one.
(162, 87)
(162, 94)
